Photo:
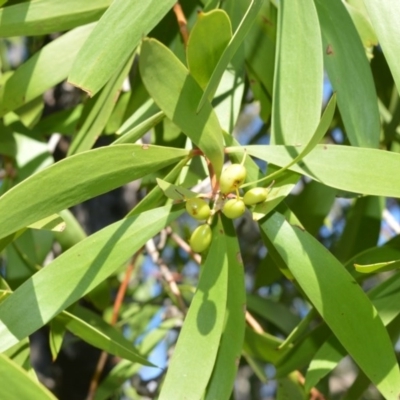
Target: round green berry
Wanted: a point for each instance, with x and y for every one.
(234, 208)
(201, 238)
(232, 178)
(255, 196)
(198, 208)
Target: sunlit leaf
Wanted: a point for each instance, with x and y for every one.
(75, 273)
(113, 40)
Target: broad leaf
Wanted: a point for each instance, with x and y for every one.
(75, 273)
(177, 94)
(207, 41)
(229, 52)
(112, 42)
(77, 179)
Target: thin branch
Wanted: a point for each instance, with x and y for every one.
(254, 323)
(182, 22)
(94, 383)
(184, 245)
(166, 273)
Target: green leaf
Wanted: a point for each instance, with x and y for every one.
(175, 192)
(312, 205)
(349, 73)
(230, 347)
(297, 95)
(41, 17)
(125, 369)
(139, 130)
(362, 229)
(324, 361)
(73, 232)
(281, 188)
(274, 312)
(290, 388)
(42, 71)
(51, 223)
(78, 178)
(229, 52)
(97, 111)
(75, 273)
(340, 301)
(196, 350)
(177, 94)
(56, 337)
(20, 385)
(94, 330)
(385, 17)
(378, 267)
(113, 40)
(207, 41)
(357, 170)
(263, 346)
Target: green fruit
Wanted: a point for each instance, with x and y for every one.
(255, 196)
(232, 178)
(198, 208)
(201, 238)
(234, 208)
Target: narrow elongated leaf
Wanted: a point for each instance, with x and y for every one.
(51, 223)
(196, 351)
(75, 273)
(385, 17)
(97, 112)
(125, 369)
(228, 358)
(175, 192)
(134, 134)
(297, 95)
(20, 385)
(229, 52)
(340, 301)
(95, 331)
(274, 312)
(177, 94)
(77, 179)
(113, 40)
(207, 41)
(40, 17)
(349, 73)
(42, 71)
(357, 170)
(378, 267)
(362, 229)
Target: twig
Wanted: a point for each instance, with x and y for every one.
(94, 383)
(166, 273)
(184, 245)
(315, 394)
(254, 323)
(180, 17)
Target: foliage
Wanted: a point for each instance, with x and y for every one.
(169, 87)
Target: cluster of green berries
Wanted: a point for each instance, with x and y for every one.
(231, 179)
